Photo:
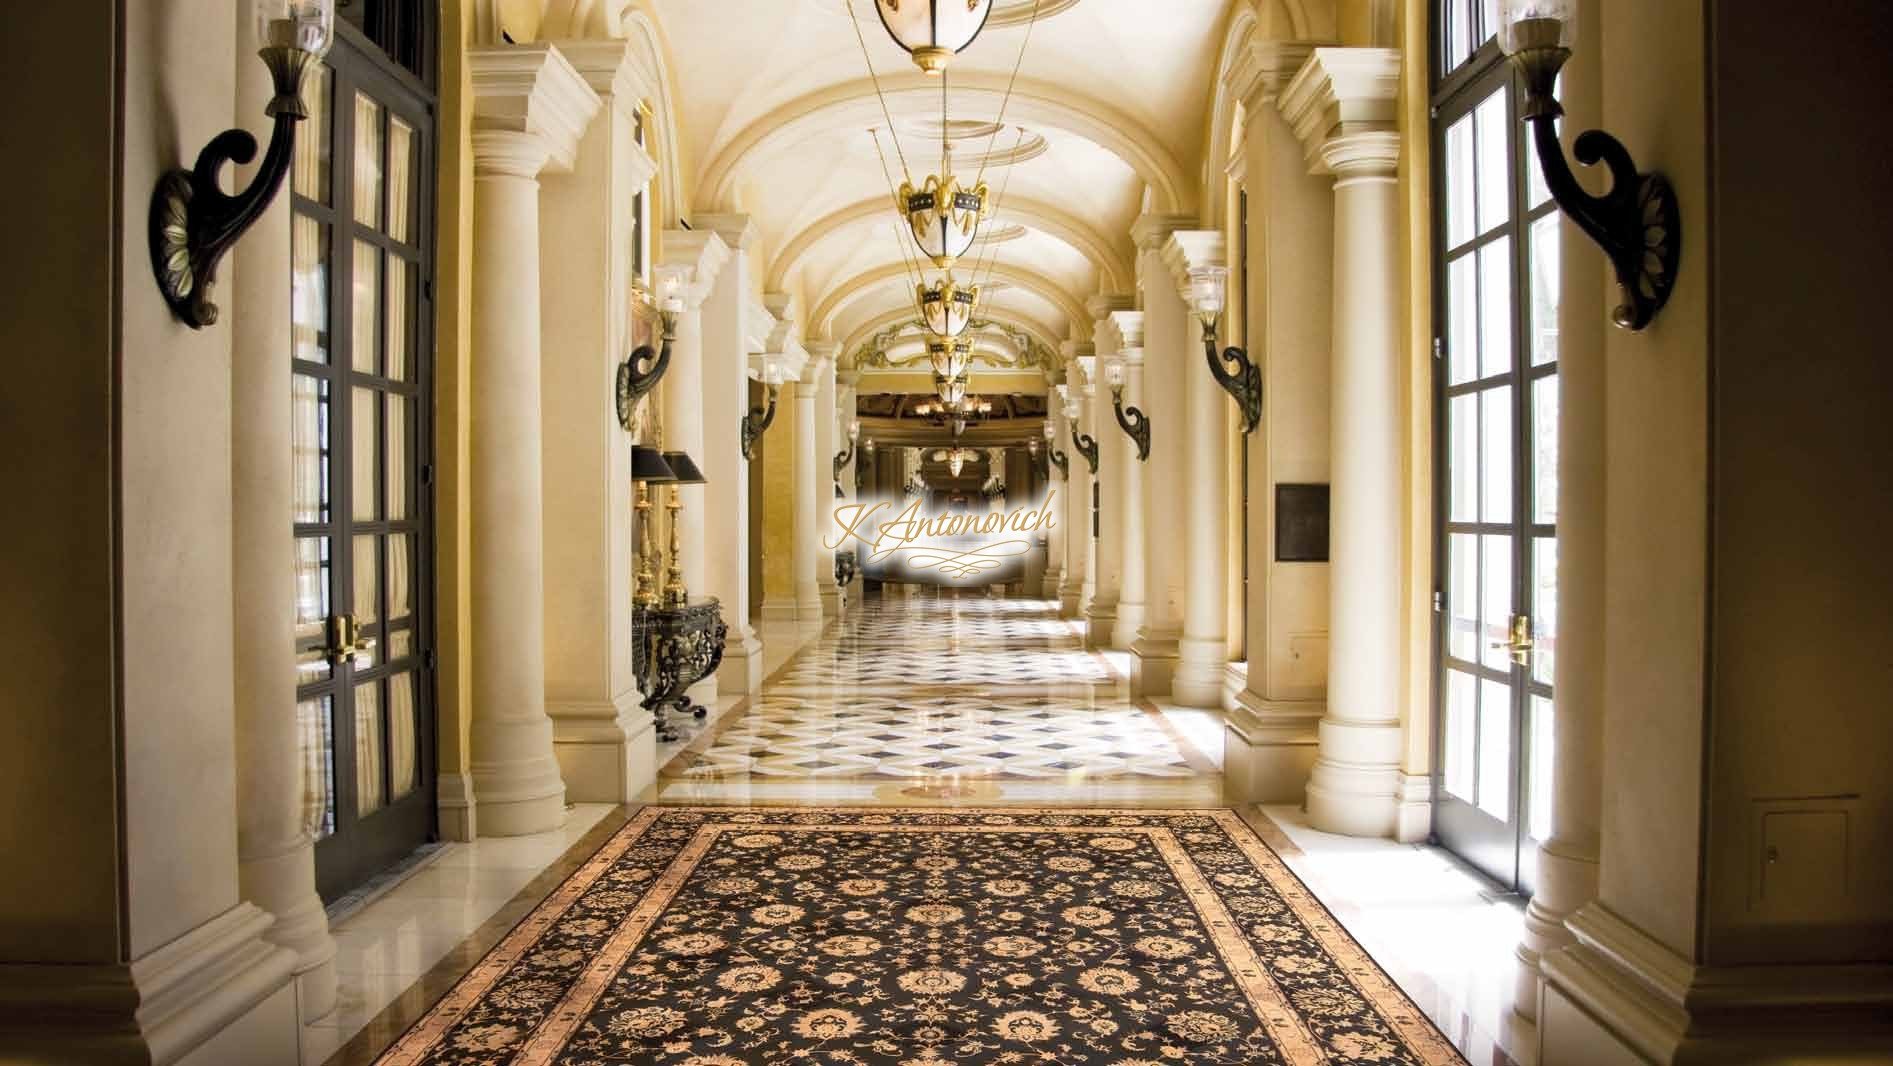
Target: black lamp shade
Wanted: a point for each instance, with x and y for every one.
(648, 465)
(685, 469)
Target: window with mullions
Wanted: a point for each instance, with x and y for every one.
(1496, 237)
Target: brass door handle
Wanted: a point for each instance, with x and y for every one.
(346, 640)
(1521, 644)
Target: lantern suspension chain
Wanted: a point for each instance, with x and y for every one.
(1006, 100)
(908, 261)
(906, 171)
(989, 255)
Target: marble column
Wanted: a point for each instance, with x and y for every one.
(1159, 394)
(826, 445)
(1086, 553)
(1203, 651)
(530, 109)
(1568, 854)
(730, 335)
(1058, 490)
(1341, 103)
(1270, 738)
(275, 845)
(1108, 559)
(1077, 509)
(601, 736)
(808, 545)
(845, 407)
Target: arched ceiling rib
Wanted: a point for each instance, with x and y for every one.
(1040, 215)
(841, 296)
(901, 315)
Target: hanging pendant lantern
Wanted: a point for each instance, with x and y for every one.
(933, 31)
(945, 217)
(946, 308)
(950, 358)
(951, 390)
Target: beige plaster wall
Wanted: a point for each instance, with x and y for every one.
(777, 514)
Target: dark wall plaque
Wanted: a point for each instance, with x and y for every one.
(1301, 523)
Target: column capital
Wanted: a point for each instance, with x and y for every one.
(1264, 69)
(695, 258)
(1121, 331)
(737, 231)
(1151, 230)
(528, 101)
(821, 357)
(1087, 372)
(1072, 350)
(849, 378)
(1189, 250)
(1101, 306)
(607, 66)
(1340, 93)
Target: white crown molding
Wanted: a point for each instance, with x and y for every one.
(1101, 306)
(737, 231)
(608, 67)
(531, 90)
(1264, 69)
(1188, 250)
(821, 356)
(1121, 333)
(1340, 93)
(758, 325)
(1151, 229)
(696, 257)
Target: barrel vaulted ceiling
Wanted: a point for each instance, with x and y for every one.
(774, 108)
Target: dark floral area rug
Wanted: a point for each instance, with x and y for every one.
(737, 936)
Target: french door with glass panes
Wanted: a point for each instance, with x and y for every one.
(361, 427)
(1497, 415)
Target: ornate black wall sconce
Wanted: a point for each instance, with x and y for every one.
(1134, 423)
(759, 419)
(846, 455)
(1054, 457)
(1087, 446)
(643, 369)
(1637, 222)
(1241, 379)
(193, 223)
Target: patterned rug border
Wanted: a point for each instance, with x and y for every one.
(1415, 1026)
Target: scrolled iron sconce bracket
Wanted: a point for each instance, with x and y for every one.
(1060, 460)
(842, 459)
(193, 222)
(757, 422)
(643, 369)
(1087, 446)
(1637, 222)
(1240, 378)
(1134, 423)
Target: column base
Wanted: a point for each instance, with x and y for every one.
(1619, 996)
(1567, 879)
(1130, 619)
(1202, 665)
(1048, 588)
(219, 994)
(1153, 664)
(1100, 621)
(283, 885)
(518, 797)
(1413, 809)
(454, 807)
(1070, 600)
(1269, 748)
(741, 672)
(808, 602)
(779, 609)
(831, 600)
(1355, 782)
(607, 752)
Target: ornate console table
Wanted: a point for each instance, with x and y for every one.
(673, 648)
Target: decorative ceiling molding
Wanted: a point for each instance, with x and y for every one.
(905, 316)
(888, 348)
(864, 284)
(1055, 222)
(1034, 104)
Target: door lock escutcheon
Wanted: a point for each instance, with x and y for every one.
(346, 640)
(1520, 645)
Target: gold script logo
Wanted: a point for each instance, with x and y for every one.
(956, 545)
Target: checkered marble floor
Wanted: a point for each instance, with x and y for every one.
(932, 689)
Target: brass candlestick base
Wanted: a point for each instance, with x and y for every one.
(675, 595)
(645, 594)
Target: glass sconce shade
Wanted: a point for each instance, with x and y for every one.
(1114, 375)
(854, 430)
(771, 374)
(1208, 289)
(947, 308)
(949, 358)
(1528, 24)
(670, 290)
(932, 31)
(300, 25)
(1072, 411)
(944, 217)
(1051, 431)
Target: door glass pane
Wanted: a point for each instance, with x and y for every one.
(403, 764)
(1462, 597)
(308, 447)
(367, 564)
(312, 665)
(1463, 459)
(400, 587)
(1462, 714)
(312, 587)
(400, 170)
(1495, 615)
(309, 289)
(367, 161)
(400, 327)
(400, 644)
(1495, 748)
(1544, 440)
(366, 505)
(1495, 160)
(1462, 325)
(1495, 307)
(398, 458)
(1458, 14)
(365, 321)
(1536, 191)
(1495, 454)
(370, 741)
(1544, 607)
(1538, 814)
(1544, 289)
(1460, 226)
(315, 740)
(311, 161)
